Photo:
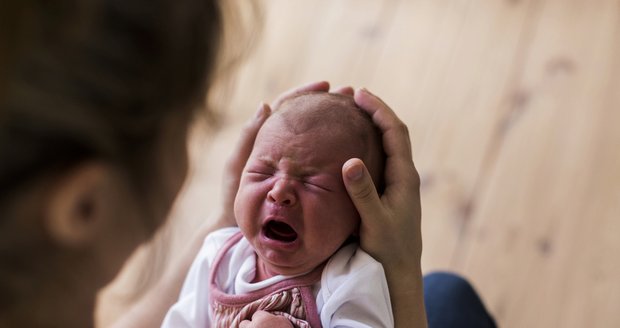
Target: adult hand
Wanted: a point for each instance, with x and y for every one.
(390, 228)
(266, 320)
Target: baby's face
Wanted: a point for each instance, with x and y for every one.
(292, 205)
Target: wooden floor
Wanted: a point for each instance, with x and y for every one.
(513, 108)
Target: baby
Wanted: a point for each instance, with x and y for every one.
(294, 253)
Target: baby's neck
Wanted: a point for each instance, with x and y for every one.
(261, 271)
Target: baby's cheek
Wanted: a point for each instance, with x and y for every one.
(237, 206)
(248, 203)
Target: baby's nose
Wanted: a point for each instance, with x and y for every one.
(282, 193)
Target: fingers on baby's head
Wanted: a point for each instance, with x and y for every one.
(337, 112)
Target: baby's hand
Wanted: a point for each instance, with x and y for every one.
(267, 320)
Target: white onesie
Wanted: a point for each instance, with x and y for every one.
(351, 292)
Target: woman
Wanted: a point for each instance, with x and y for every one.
(95, 101)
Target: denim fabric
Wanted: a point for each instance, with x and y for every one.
(452, 302)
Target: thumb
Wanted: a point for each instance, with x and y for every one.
(362, 190)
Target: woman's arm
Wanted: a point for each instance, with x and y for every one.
(390, 228)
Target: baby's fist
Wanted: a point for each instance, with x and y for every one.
(263, 319)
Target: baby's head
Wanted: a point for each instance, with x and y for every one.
(333, 114)
(292, 204)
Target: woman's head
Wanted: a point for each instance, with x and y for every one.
(94, 110)
(292, 204)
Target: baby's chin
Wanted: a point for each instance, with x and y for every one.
(266, 269)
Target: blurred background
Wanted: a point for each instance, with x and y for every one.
(513, 108)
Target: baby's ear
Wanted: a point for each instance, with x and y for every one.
(75, 212)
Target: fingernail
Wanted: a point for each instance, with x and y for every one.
(261, 110)
(355, 172)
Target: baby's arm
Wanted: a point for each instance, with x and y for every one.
(354, 291)
(192, 307)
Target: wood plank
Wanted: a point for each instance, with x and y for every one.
(452, 64)
(543, 249)
(310, 41)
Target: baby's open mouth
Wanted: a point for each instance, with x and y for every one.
(280, 231)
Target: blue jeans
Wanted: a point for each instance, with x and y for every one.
(452, 302)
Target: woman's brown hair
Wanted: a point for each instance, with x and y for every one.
(92, 80)
(97, 79)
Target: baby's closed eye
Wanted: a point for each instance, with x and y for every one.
(259, 173)
(318, 182)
